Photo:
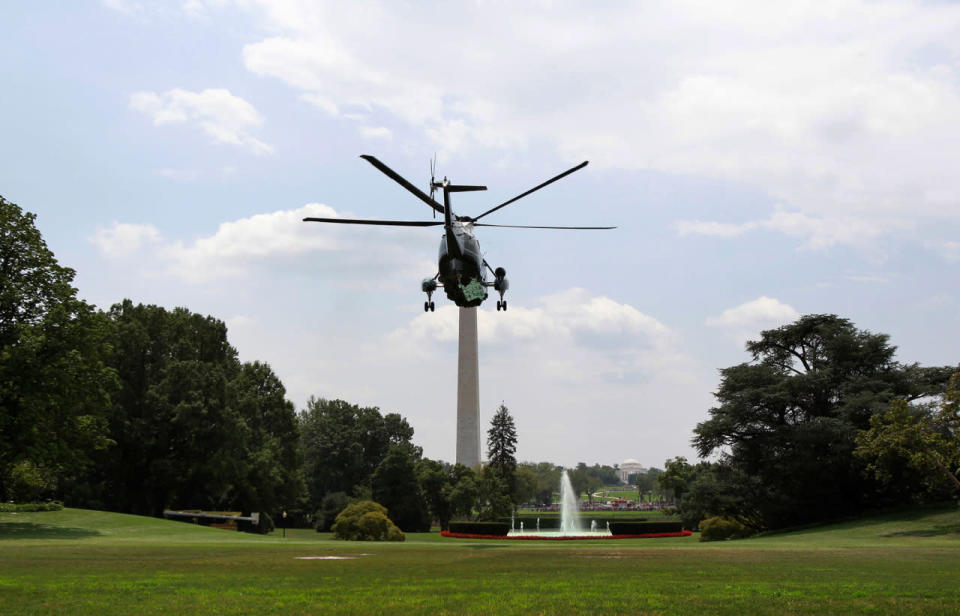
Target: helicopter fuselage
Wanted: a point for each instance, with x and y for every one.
(461, 268)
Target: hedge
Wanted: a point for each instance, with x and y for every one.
(499, 529)
(26, 507)
(645, 528)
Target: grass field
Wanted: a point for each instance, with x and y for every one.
(85, 562)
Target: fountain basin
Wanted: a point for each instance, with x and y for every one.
(560, 536)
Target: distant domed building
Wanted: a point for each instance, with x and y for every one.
(629, 467)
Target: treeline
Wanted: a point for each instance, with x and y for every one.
(138, 408)
(822, 423)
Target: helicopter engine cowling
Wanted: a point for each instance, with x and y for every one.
(500, 282)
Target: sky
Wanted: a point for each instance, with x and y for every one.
(760, 160)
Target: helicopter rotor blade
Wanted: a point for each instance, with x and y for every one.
(396, 177)
(483, 224)
(386, 223)
(534, 189)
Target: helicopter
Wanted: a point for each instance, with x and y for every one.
(462, 269)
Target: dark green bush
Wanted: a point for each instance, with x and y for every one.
(366, 521)
(499, 529)
(27, 507)
(719, 528)
(645, 528)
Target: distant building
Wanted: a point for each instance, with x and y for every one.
(629, 467)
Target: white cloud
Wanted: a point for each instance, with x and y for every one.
(838, 110)
(580, 334)
(817, 232)
(222, 116)
(279, 240)
(748, 319)
(123, 239)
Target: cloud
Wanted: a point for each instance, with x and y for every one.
(817, 233)
(841, 112)
(577, 332)
(279, 240)
(748, 319)
(122, 239)
(222, 116)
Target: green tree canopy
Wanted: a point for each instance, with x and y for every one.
(394, 485)
(55, 383)
(342, 444)
(194, 427)
(676, 476)
(790, 417)
(916, 449)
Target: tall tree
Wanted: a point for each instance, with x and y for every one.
(789, 418)
(394, 485)
(55, 384)
(676, 476)
(194, 427)
(342, 444)
(502, 447)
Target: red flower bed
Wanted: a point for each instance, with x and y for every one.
(682, 533)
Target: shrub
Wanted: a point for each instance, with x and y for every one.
(26, 481)
(28, 507)
(719, 528)
(499, 529)
(366, 521)
(645, 528)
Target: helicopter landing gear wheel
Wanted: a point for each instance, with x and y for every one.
(432, 306)
(498, 305)
(426, 306)
(504, 305)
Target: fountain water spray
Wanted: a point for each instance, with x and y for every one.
(569, 511)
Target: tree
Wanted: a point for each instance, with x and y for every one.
(917, 439)
(194, 427)
(55, 384)
(464, 491)
(502, 447)
(548, 480)
(675, 477)
(394, 485)
(525, 490)
(269, 452)
(342, 444)
(449, 490)
(790, 417)
(494, 495)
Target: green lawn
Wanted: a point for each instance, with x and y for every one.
(84, 562)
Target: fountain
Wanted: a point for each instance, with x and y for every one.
(569, 518)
